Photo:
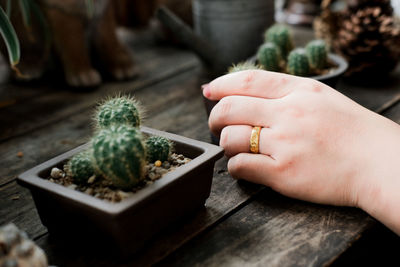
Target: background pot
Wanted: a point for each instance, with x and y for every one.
(233, 27)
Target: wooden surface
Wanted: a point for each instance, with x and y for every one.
(242, 224)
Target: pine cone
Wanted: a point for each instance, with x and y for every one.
(365, 34)
(368, 38)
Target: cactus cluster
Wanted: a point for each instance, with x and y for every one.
(297, 63)
(118, 110)
(281, 36)
(118, 150)
(80, 167)
(269, 56)
(158, 148)
(119, 155)
(317, 54)
(278, 53)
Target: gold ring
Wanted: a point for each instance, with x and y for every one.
(255, 139)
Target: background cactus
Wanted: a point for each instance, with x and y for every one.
(281, 36)
(80, 167)
(317, 54)
(119, 155)
(244, 66)
(158, 148)
(298, 62)
(269, 57)
(118, 110)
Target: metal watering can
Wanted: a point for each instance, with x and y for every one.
(225, 31)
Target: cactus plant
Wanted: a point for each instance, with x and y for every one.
(317, 54)
(80, 167)
(119, 155)
(298, 62)
(118, 110)
(281, 36)
(158, 148)
(244, 66)
(269, 56)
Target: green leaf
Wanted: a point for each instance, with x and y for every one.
(26, 12)
(10, 38)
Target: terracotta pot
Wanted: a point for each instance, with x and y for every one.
(128, 225)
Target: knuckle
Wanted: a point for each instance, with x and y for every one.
(248, 79)
(223, 108)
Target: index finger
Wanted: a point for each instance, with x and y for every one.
(256, 83)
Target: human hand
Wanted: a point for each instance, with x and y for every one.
(316, 144)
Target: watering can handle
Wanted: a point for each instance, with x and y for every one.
(185, 34)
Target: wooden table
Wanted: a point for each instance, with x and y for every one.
(242, 224)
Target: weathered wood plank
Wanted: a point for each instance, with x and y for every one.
(275, 231)
(30, 114)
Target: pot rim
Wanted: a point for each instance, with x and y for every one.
(31, 178)
(337, 59)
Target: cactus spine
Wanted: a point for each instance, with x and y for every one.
(80, 167)
(118, 110)
(158, 148)
(317, 54)
(119, 155)
(281, 36)
(298, 62)
(244, 66)
(269, 57)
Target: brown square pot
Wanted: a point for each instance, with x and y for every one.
(131, 223)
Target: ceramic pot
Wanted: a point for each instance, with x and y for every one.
(126, 226)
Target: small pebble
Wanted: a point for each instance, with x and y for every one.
(89, 191)
(20, 154)
(166, 165)
(154, 176)
(158, 163)
(91, 179)
(56, 173)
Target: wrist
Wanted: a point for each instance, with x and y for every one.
(378, 189)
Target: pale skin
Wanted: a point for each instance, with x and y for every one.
(315, 145)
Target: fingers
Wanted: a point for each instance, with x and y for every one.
(256, 83)
(241, 110)
(236, 139)
(256, 168)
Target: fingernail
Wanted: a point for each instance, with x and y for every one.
(206, 90)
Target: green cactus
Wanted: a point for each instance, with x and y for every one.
(281, 36)
(158, 148)
(269, 57)
(317, 54)
(244, 66)
(118, 110)
(298, 63)
(119, 155)
(80, 167)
